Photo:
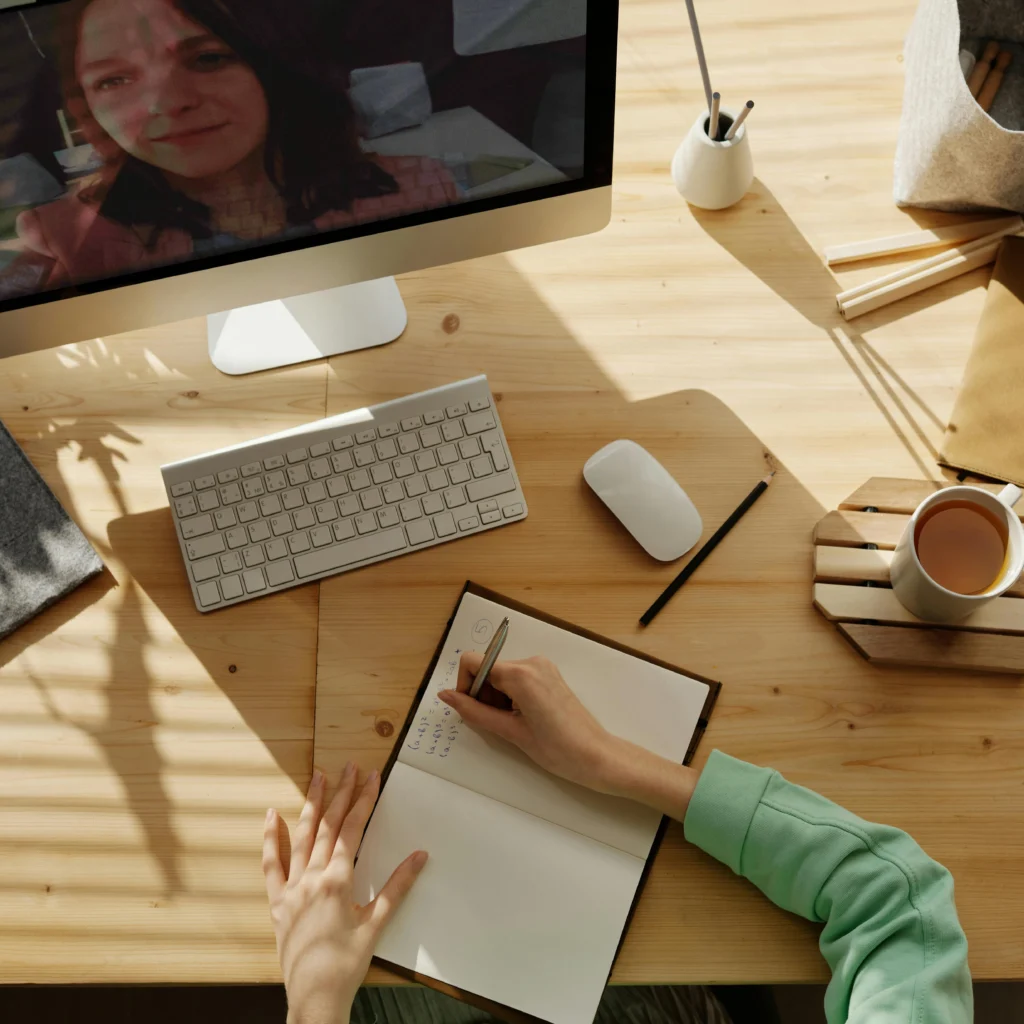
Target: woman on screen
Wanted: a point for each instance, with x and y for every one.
(215, 130)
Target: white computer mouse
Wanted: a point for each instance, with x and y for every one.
(645, 498)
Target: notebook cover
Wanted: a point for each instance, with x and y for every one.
(43, 555)
(985, 433)
(498, 1010)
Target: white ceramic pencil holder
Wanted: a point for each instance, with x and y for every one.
(709, 174)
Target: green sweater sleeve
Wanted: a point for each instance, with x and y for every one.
(891, 936)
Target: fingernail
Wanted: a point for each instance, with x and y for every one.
(349, 768)
(419, 858)
(372, 777)
(444, 694)
(270, 815)
(318, 778)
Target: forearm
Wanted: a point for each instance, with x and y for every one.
(637, 774)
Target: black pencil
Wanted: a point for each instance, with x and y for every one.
(691, 566)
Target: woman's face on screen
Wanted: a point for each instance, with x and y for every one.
(166, 90)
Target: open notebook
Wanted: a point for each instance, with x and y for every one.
(531, 880)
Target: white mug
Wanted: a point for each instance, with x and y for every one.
(920, 594)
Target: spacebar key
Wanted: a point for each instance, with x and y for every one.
(328, 559)
(490, 486)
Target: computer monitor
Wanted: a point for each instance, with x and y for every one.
(164, 159)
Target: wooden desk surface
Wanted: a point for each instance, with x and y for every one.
(140, 742)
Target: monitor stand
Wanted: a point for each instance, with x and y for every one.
(274, 334)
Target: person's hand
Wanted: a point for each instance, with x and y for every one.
(324, 940)
(548, 722)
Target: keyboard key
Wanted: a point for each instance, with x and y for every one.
(408, 443)
(208, 501)
(388, 430)
(366, 523)
(205, 570)
(366, 436)
(469, 523)
(292, 500)
(392, 492)
(452, 430)
(236, 538)
(270, 505)
(197, 526)
(298, 475)
(412, 423)
(447, 455)
(185, 507)
(298, 542)
(274, 462)
(253, 487)
(382, 543)
(386, 449)
(469, 447)
(208, 594)
(437, 480)
(349, 505)
(371, 498)
(230, 494)
(388, 517)
(432, 504)
(259, 532)
(248, 512)
(321, 536)
(444, 524)
(297, 455)
(280, 573)
(426, 461)
(180, 490)
(342, 462)
(415, 486)
(337, 486)
(364, 456)
(203, 547)
(479, 422)
(225, 518)
(315, 492)
(460, 473)
(319, 469)
(251, 469)
(479, 404)
(343, 529)
(231, 588)
(204, 482)
(276, 481)
(403, 467)
(436, 416)
(410, 510)
(430, 436)
(276, 549)
(341, 443)
(454, 497)
(254, 581)
(420, 532)
(254, 556)
(487, 506)
(499, 459)
(317, 451)
(304, 519)
(489, 488)
(359, 479)
(455, 411)
(482, 466)
(281, 525)
(231, 562)
(381, 473)
(327, 511)
(509, 511)
(491, 517)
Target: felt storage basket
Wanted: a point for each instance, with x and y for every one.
(951, 155)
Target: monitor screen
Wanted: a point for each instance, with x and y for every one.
(145, 138)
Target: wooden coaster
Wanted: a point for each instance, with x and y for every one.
(853, 549)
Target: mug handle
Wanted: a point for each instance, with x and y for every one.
(1010, 495)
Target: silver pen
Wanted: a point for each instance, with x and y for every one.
(490, 657)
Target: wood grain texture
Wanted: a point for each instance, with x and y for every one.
(707, 337)
(951, 649)
(902, 496)
(856, 529)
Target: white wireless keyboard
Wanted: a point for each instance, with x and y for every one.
(342, 493)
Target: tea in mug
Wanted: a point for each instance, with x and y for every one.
(962, 546)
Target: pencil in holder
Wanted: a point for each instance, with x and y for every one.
(710, 174)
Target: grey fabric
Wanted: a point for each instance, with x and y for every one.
(691, 1004)
(43, 555)
(951, 155)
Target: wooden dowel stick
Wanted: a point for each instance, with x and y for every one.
(893, 245)
(982, 68)
(735, 126)
(716, 110)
